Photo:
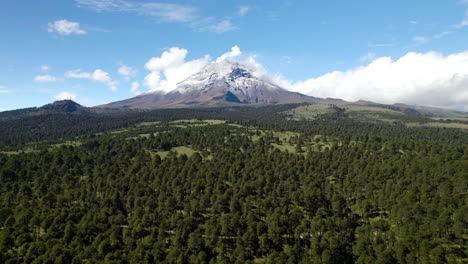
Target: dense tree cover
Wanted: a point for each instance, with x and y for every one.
(17, 133)
(379, 194)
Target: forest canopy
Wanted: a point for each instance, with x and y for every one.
(230, 185)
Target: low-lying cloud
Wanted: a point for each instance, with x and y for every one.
(430, 79)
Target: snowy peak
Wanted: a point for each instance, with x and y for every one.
(230, 75)
(218, 84)
(238, 73)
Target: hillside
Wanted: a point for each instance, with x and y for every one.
(232, 184)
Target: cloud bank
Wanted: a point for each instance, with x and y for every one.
(65, 28)
(430, 79)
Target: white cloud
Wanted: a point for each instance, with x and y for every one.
(235, 52)
(171, 68)
(163, 12)
(220, 27)
(172, 65)
(45, 68)
(418, 78)
(127, 71)
(65, 27)
(169, 59)
(134, 88)
(243, 10)
(46, 78)
(65, 96)
(98, 76)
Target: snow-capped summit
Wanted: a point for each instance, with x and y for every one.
(226, 75)
(220, 83)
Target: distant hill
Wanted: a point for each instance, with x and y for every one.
(58, 107)
(63, 106)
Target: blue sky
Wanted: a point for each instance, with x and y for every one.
(95, 51)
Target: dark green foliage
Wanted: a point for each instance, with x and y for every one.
(378, 194)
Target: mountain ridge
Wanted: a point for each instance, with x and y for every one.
(220, 84)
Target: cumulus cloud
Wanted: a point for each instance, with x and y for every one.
(235, 52)
(163, 12)
(97, 76)
(46, 78)
(417, 78)
(134, 88)
(65, 27)
(65, 96)
(127, 71)
(173, 67)
(45, 68)
(243, 10)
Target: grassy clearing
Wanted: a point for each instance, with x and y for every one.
(195, 122)
(10, 152)
(181, 150)
(361, 108)
(359, 112)
(465, 119)
(309, 112)
(67, 143)
(436, 124)
(285, 147)
(285, 135)
(14, 152)
(148, 124)
(368, 113)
